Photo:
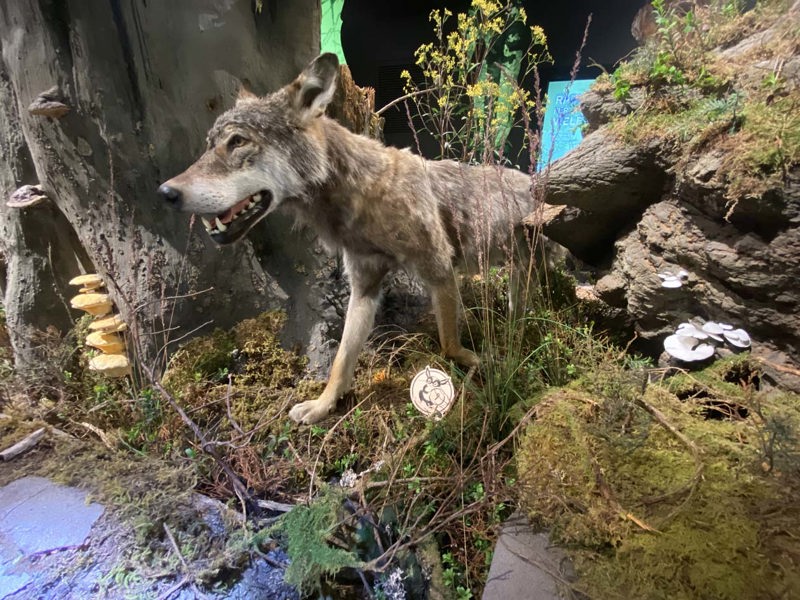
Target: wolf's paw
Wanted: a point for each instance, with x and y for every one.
(465, 357)
(310, 412)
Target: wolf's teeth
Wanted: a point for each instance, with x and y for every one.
(220, 225)
(257, 197)
(236, 216)
(206, 223)
(251, 205)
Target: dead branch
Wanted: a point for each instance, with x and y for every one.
(274, 506)
(608, 495)
(208, 447)
(23, 445)
(100, 434)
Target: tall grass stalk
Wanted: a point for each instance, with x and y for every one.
(480, 99)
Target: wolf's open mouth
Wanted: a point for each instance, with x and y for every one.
(231, 225)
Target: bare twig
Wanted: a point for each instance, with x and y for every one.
(688, 487)
(401, 99)
(239, 488)
(23, 445)
(188, 577)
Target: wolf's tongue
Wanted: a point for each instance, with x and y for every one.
(228, 215)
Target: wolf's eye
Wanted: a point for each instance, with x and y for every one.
(236, 141)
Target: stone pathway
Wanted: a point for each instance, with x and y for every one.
(526, 566)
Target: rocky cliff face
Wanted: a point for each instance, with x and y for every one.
(734, 226)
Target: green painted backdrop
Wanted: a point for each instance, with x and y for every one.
(331, 28)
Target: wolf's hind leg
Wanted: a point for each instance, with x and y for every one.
(365, 280)
(521, 277)
(446, 307)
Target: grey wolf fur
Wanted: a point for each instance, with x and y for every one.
(383, 208)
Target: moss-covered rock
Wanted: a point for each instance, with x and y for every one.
(648, 514)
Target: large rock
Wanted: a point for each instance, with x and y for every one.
(736, 275)
(605, 185)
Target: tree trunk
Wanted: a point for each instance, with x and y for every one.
(143, 82)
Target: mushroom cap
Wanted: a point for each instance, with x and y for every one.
(687, 349)
(738, 337)
(691, 330)
(671, 282)
(94, 304)
(90, 280)
(108, 324)
(109, 343)
(111, 365)
(26, 196)
(712, 327)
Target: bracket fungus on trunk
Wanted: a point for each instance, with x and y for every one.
(26, 197)
(112, 362)
(49, 104)
(95, 304)
(111, 365)
(108, 343)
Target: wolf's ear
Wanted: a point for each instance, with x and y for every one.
(245, 92)
(314, 87)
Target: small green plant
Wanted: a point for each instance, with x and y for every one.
(454, 577)
(307, 531)
(621, 85)
(466, 101)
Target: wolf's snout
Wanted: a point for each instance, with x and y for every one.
(172, 195)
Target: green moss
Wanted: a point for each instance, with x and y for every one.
(599, 478)
(265, 360)
(702, 101)
(200, 359)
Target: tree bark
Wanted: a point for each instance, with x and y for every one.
(144, 81)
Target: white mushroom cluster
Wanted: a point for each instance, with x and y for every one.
(698, 341)
(112, 362)
(673, 280)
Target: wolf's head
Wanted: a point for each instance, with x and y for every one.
(260, 152)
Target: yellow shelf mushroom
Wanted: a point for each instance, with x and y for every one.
(108, 324)
(112, 362)
(89, 282)
(108, 343)
(94, 304)
(111, 365)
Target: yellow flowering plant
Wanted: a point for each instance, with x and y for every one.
(473, 91)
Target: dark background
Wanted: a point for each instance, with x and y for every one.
(379, 39)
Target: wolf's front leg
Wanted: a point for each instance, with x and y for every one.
(364, 298)
(446, 306)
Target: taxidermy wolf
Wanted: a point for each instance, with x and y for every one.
(382, 207)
